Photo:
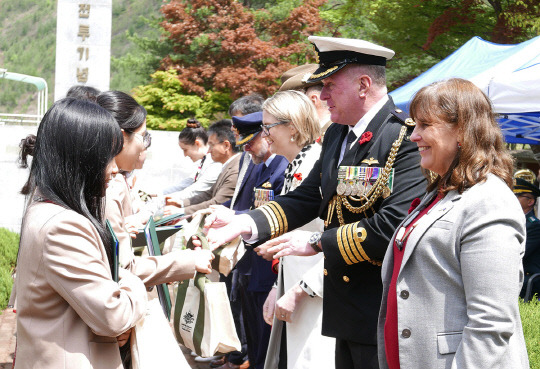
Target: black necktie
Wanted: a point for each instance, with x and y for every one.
(351, 137)
(348, 141)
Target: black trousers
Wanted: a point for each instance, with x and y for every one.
(257, 331)
(234, 282)
(353, 355)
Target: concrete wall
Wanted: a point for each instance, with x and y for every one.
(165, 164)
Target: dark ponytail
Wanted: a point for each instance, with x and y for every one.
(27, 147)
(194, 130)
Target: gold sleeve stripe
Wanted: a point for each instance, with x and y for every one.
(349, 244)
(277, 219)
(340, 239)
(278, 210)
(272, 222)
(351, 233)
(358, 239)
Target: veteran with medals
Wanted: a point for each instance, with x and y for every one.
(361, 186)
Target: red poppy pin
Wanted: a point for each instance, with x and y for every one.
(414, 204)
(298, 176)
(366, 137)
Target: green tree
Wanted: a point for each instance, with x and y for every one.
(423, 32)
(169, 106)
(218, 50)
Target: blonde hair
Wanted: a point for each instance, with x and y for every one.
(296, 108)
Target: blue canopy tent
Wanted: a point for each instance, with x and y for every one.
(508, 74)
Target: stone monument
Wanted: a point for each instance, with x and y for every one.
(83, 45)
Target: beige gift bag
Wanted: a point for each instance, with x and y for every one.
(203, 320)
(226, 256)
(153, 344)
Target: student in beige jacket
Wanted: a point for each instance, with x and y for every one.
(175, 266)
(69, 309)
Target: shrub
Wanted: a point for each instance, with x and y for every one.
(9, 245)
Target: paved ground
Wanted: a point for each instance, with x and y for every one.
(7, 338)
(7, 343)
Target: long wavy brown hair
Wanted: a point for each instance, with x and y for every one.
(461, 104)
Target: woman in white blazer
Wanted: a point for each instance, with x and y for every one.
(453, 271)
(193, 141)
(295, 304)
(69, 309)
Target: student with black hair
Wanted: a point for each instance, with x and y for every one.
(171, 267)
(83, 92)
(193, 140)
(69, 308)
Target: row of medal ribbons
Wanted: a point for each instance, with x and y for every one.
(262, 196)
(358, 181)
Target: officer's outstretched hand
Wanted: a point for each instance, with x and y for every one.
(291, 243)
(219, 217)
(223, 226)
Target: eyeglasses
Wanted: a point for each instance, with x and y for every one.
(146, 138)
(266, 127)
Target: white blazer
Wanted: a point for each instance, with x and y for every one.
(459, 282)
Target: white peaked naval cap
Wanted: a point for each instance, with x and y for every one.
(334, 53)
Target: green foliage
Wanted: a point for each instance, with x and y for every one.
(528, 19)
(422, 33)
(137, 51)
(169, 106)
(9, 245)
(28, 46)
(530, 319)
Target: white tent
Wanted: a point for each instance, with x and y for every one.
(508, 74)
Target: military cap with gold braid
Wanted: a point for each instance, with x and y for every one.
(248, 127)
(295, 78)
(523, 186)
(335, 53)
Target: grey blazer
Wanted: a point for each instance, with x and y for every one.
(459, 282)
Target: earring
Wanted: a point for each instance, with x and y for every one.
(292, 139)
(459, 145)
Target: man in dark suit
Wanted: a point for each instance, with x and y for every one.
(362, 185)
(527, 193)
(253, 278)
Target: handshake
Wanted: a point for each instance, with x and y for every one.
(222, 225)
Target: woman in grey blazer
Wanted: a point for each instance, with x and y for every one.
(453, 273)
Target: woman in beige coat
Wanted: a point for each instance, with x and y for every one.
(69, 309)
(171, 267)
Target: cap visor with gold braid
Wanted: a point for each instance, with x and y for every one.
(334, 53)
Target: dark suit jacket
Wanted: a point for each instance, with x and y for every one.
(262, 276)
(531, 259)
(352, 284)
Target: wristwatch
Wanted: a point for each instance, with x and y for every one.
(314, 241)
